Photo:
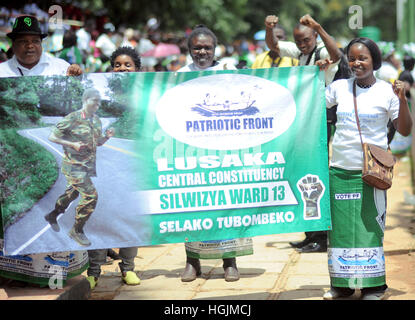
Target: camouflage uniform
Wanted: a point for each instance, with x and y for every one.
(79, 166)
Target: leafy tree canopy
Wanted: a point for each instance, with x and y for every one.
(235, 19)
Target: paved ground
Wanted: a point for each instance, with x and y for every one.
(274, 272)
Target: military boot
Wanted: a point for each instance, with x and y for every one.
(77, 234)
(51, 218)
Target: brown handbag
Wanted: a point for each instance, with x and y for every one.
(377, 163)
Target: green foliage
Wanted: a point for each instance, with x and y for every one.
(120, 87)
(224, 17)
(60, 96)
(27, 171)
(127, 126)
(233, 19)
(111, 109)
(18, 102)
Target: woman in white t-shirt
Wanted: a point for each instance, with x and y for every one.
(355, 255)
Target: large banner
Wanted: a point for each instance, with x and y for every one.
(196, 156)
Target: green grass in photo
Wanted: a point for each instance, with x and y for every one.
(27, 172)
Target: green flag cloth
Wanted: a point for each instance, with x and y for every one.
(355, 255)
(196, 156)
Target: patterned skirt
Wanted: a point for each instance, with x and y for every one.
(45, 269)
(219, 249)
(355, 254)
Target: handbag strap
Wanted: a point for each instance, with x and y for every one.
(355, 111)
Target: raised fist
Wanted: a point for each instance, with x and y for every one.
(271, 21)
(311, 189)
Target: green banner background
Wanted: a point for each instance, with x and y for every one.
(156, 115)
(303, 146)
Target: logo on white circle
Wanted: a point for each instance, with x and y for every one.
(226, 111)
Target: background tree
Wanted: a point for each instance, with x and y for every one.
(60, 95)
(19, 102)
(235, 19)
(232, 19)
(122, 104)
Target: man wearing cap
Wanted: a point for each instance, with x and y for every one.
(29, 58)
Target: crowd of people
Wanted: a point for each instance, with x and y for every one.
(370, 72)
(89, 41)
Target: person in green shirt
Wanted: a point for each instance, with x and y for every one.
(70, 51)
